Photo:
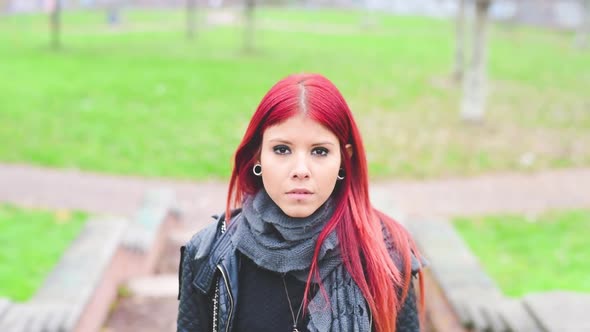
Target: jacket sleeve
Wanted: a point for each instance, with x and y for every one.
(408, 318)
(193, 305)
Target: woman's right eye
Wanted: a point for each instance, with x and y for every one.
(281, 149)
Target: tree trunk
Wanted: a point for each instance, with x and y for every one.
(55, 24)
(475, 85)
(459, 41)
(113, 13)
(4, 7)
(368, 19)
(249, 25)
(191, 19)
(583, 35)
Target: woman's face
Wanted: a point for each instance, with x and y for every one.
(300, 160)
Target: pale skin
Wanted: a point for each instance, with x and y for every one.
(300, 161)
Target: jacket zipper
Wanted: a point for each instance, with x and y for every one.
(215, 307)
(231, 298)
(216, 297)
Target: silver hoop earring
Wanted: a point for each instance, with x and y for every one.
(257, 170)
(341, 174)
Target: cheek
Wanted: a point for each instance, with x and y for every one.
(273, 175)
(270, 179)
(327, 178)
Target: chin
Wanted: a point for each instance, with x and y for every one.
(298, 212)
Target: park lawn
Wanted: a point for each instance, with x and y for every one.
(532, 254)
(32, 243)
(141, 99)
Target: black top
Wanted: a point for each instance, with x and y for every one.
(262, 303)
(263, 307)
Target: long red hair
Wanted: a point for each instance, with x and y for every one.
(357, 224)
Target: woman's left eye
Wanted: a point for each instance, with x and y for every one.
(320, 151)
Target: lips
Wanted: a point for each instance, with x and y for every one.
(299, 192)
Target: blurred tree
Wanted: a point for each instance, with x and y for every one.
(55, 24)
(459, 41)
(475, 80)
(249, 7)
(191, 19)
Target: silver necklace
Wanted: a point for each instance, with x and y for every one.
(295, 319)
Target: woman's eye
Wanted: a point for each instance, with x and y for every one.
(320, 151)
(281, 149)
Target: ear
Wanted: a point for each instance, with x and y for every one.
(349, 151)
(258, 155)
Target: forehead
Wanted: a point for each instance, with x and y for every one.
(299, 128)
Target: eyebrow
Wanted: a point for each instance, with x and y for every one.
(278, 140)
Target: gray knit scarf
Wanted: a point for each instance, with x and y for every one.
(284, 244)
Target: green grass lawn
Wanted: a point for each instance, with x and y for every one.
(32, 243)
(532, 254)
(140, 99)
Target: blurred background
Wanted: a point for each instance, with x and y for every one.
(444, 91)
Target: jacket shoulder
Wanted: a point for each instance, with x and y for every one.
(199, 246)
(416, 262)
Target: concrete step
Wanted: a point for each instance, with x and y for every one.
(4, 305)
(146, 314)
(157, 286)
(37, 317)
(559, 310)
(180, 236)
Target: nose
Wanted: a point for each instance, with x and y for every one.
(300, 168)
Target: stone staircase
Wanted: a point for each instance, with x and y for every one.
(78, 293)
(475, 300)
(154, 293)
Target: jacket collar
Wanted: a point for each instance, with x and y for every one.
(222, 251)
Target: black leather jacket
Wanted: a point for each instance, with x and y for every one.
(205, 256)
(211, 253)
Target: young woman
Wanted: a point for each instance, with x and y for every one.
(300, 247)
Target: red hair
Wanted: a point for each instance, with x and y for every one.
(358, 225)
